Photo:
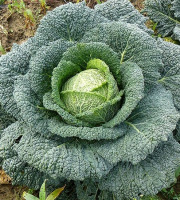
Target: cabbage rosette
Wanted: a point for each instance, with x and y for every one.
(90, 106)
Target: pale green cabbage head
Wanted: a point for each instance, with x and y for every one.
(89, 91)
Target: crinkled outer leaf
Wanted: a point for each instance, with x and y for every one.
(156, 172)
(176, 8)
(177, 134)
(121, 10)
(131, 44)
(30, 105)
(171, 71)
(86, 190)
(89, 190)
(74, 160)
(10, 136)
(166, 14)
(171, 80)
(133, 85)
(20, 172)
(23, 174)
(16, 63)
(176, 32)
(151, 122)
(94, 133)
(5, 119)
(69, 192)
(13, 64)
(69, 22)
(106, 195)
(42, 64)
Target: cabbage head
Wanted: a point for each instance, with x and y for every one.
(96, 102)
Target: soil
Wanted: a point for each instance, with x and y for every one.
(7, 191)
(14, 28)
(4, 179)
(138, 4)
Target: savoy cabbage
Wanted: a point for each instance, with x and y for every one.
(96, 101)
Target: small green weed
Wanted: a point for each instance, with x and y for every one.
(2, 50)
(29, 18)
(44, 6)
(42, 194)
(98, 2)
(16, 6)
(20, 7)
(154, 26)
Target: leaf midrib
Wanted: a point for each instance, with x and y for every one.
(174, 20)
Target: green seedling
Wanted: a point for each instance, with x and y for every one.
(2, 50)
(44, 6)
(29, 18)
(42, 194)
(99, 2)
(154, 26)
(17, 6)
